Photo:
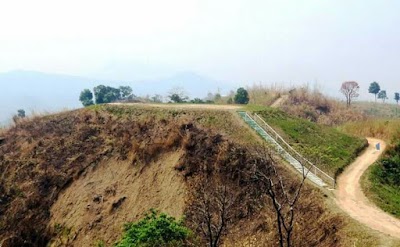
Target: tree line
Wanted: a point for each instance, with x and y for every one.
(105, 94)
(350, 90)
(375, 88)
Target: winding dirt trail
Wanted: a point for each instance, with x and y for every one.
(352, 200)
(278, 102)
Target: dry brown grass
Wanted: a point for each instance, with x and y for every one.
(97, 205)
(305, 102)
(311, 104)
(262, 94)
(49, 158)
(386, 129)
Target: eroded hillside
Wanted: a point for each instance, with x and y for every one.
(75, 178)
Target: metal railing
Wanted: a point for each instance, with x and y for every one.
(303, 161)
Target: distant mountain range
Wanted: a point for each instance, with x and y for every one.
(41, 92)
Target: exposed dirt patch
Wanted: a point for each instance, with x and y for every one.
(350, 197)
(99, 203)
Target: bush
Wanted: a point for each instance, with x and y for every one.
(155, 229)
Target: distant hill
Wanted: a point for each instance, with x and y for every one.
(39, 92)
(195, 85)
(34, 91)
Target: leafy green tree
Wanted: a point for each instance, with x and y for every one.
(105, 94)
(156, 229)
(382, 95)
(397, 97)
(86, 97)
(374, 88)
(241, 96)
(126, 92)
(21, 113)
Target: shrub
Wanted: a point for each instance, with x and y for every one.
(155, 229)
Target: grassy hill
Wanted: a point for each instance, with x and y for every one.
(75, 178)
(329, 148)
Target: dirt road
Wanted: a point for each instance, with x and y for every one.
(352, 200)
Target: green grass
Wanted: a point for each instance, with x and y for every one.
(328, 147)
(381, 182)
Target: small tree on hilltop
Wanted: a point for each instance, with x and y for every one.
(397, 97)
(350, 90)
(126, 92)
(21, 113)
(178, 95)
(156, 98)
(105, 94)
(382, 95)
(374, 88)
(241, 96)
(86, 97)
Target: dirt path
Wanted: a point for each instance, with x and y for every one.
(352, 200)
(279, 101)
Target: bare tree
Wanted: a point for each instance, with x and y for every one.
(350, 90)
(213, 212)
(283, 199)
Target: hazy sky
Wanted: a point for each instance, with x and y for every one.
(230, 40)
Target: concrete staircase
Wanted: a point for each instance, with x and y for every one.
(281, 151)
